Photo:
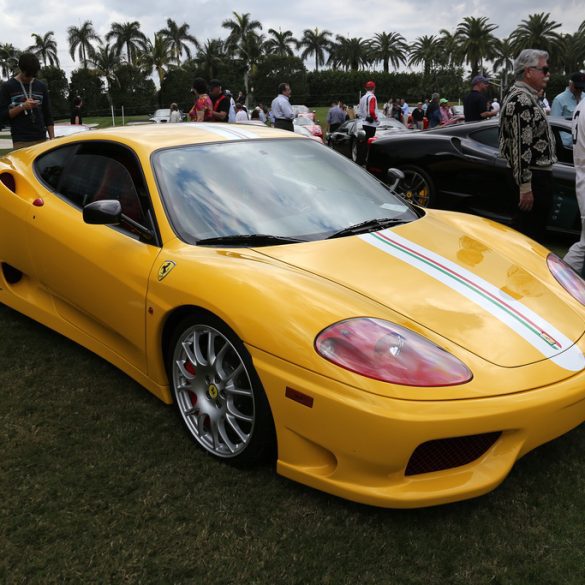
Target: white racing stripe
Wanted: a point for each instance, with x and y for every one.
(536, 330)
(229, 132)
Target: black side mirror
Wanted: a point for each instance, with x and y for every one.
(104, 212)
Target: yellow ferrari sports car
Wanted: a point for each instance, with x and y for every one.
(292, 306)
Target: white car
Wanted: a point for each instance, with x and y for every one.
(163, 115)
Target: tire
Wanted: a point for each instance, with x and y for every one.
(217, 391)
(417, 187)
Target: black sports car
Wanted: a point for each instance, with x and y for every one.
(458, 167)
(350, 140)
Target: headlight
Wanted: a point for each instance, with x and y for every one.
(388, 352)
(567, 277)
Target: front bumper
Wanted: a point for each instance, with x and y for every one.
(358, 445)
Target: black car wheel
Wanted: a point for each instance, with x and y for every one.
(217, 391)
(417, 187)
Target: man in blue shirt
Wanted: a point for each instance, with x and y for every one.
(335, 116)
(282, 110)
(565, 103)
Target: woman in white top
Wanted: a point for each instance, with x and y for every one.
(175, 114)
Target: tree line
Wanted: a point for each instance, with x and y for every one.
(118, 69)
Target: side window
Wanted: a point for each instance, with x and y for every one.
(564, 140)
(89, 172)
(49, 167)
(487, 136)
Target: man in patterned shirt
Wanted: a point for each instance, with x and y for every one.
(527, 141)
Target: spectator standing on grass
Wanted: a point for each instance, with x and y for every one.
(335, 116)
(175, 115)
(527, 142)
(543, 102)
(202, 110)
(368, 109)
(241, 114)
(565, 103)
(24, 104)
(446, 113)
(495, 106)
(282, 110)
(404, 107)
(221, 102)
(434, 111)
(76, 111)
(575, 257)
(476, 106)
(418, 116)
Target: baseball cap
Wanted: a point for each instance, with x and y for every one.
(578, 80)
(370, 85)
(443, 101)
(479, 79)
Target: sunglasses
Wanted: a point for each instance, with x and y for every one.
(544, 70)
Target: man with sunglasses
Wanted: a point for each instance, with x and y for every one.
(565, 103)
(527, 142)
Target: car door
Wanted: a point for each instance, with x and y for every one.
(341, 139)
(97, 274)
(487, 176)
(564, 214)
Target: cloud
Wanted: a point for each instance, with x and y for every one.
(412, 18)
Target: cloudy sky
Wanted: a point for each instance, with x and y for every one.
(411, 18)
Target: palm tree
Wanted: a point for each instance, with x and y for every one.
(129, 37)
(476, 41)
(389, 48)
(106, 60)
(504, 60)
(280, 43)
(570, 55)
(158, 57)
(210, 56)
(9, 55)
(45, 47)
(536, 32)
(178, 37)
(450, 49)
(425, 51)
(80, 39)
(243, 41)
(350, 53)
(316, 42)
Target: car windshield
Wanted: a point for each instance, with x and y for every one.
(161, 113)
(294, 189)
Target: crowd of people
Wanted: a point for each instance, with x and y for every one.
(526, 140)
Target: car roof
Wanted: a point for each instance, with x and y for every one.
(150, 137)
(466, 127)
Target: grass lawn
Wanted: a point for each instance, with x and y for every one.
(100, 484)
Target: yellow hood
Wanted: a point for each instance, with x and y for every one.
(510, 312)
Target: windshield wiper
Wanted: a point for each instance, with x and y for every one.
(248, 239)
(368, 226)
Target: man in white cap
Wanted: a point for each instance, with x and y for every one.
(368, 109)
(476, 104)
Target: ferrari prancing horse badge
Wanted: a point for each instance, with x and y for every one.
(165, 268)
